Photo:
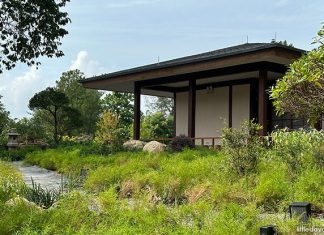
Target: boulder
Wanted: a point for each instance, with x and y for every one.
(154, 147)
(21, 200)
(133, 145)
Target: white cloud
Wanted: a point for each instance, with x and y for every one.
(17, 91)
(130, 3)
(86, 65)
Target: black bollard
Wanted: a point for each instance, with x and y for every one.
(301, 209)
(268, 230)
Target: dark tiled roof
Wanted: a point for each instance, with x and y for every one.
(221, 53)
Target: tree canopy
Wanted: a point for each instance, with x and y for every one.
(30, 29)
(86, 101)
(56, 104)
(4, 117)
(301, 91)
(163, 105)
(121, 106)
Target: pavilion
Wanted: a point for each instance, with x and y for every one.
(226, 85)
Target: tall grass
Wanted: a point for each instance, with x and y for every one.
(190, 192)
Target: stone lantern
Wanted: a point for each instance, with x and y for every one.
(12, 139)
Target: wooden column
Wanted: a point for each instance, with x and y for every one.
(174, 114)
(192, 108)
(230, 107)
(137, 111)
(262, 101)
(318, 125)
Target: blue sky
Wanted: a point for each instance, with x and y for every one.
(110, 35)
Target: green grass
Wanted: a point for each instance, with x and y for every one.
(191, 192)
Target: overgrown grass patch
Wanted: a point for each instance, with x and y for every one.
(191, 192)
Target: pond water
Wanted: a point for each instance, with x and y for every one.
(46, 178)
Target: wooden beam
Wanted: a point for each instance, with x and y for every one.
(262, 101)
(137, 111)
(242, 68)
(204, 86)
(230, 106)
(192, 108)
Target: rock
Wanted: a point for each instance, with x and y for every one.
(21, 200)
(133, 145)
(154, 147)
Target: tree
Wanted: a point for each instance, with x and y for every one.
(4, 121)
(86, 101)
(56, 104)
(30, 129)
(301, 91)
(30, 29)
(107, 125)
(284, 43)
(157, 125)
(121, 106)
(163, 105)
(4, 116)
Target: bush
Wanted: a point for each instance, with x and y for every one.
(319, 156)
(43, 197)
(10, 181)
(17, 154)
(298, 148)
(181, 142)
(243, 147)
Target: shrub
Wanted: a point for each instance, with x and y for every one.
(243, 147)
(319, 156)
(297, 148)
(17, 154)
(181, 142)
(43, 197)
(10, 181)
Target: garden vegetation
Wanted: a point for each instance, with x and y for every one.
(247, 184)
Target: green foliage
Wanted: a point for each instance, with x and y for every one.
(243, 147)
(10, 181)
(309, 187)
(156, 126)
(162, 105)
(56, 104)
(17, 154)
(300, 91)
(86, 101)
(30, 130)
(273, 185)
(121, 106)
(30, 29)
(190, 192)
(106, 127)
(181, 142)
(43, 197)
(298, 148)
(4, 120)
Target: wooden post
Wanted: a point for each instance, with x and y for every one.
(262, 101)
(174, 114)
(230, 107)
(192, 108)
(137, 111)
(318, 125)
